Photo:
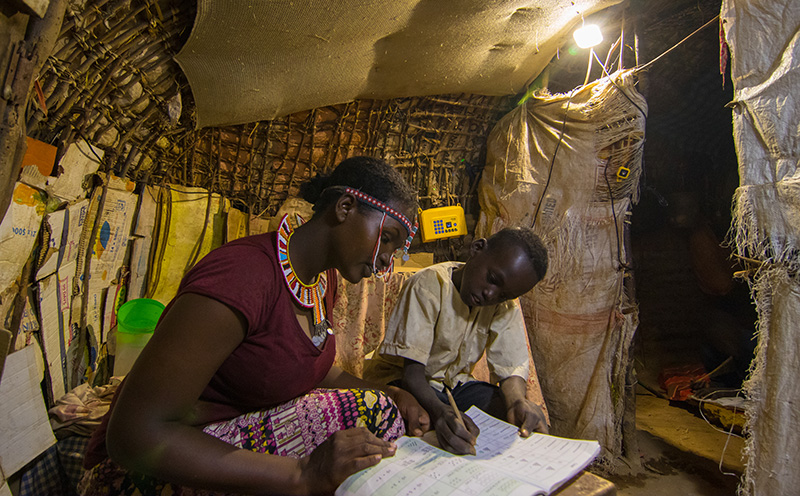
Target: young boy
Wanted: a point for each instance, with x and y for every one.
(446, 317)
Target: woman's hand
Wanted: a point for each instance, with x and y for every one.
(527, 415)
(417, 420)
(340, 456)
(452, 435)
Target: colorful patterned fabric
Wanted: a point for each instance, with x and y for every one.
(292, 429)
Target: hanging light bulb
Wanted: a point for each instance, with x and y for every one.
(588, 36)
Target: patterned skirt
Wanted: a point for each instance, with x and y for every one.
(292, 429)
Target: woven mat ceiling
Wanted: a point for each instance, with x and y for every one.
(248, 61)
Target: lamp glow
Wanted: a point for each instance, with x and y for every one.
(588, 36)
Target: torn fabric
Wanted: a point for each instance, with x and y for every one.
(572, 162)
(764, 39)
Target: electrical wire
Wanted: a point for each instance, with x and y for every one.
(622, 265)
(611, 80)
(729, 433)
(553, 159)
(705, 399)
(91, 147)
(605, 171)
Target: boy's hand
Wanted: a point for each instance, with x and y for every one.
(417, 420)
(527, 415)
(453, 436)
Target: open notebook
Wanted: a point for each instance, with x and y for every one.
(505, 464)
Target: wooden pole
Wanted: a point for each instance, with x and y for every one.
(27, 62)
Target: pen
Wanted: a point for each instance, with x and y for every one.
(454, 406)
(458, 413)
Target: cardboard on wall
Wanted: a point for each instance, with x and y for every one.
(25, 430)
(51, 256)
(237, 224)
(40, 154)
(5, 347)
(192, 228)
(53, 338)
(415, 262)
(79, 161)
(18, 232)
(28, 325)
(4, 490)
(113, 232)
(142, 242)
(260, 225)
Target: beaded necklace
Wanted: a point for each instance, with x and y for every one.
(307, 295)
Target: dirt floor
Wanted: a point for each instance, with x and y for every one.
(681, 453)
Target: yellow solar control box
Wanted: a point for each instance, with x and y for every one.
(442, 222)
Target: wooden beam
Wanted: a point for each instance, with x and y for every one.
(37, 8)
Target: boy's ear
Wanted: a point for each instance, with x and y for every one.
(344, 206)
(478, 246)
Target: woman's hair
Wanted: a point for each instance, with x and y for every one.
(372, 176)
(528, 241)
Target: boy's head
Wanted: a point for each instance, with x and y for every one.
(503, 267)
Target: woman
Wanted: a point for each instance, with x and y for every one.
(247, 333)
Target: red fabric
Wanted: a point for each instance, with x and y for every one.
(678, 381)
(276, 362)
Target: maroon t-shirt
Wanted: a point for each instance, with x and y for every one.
(276, 361)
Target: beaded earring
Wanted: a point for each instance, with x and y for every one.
(411, 229)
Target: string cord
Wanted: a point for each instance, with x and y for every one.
(645, 66)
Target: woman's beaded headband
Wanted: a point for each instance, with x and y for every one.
(411, 229)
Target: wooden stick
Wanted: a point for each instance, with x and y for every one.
(714, 372)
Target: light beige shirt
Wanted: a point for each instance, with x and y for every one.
(430, 324)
